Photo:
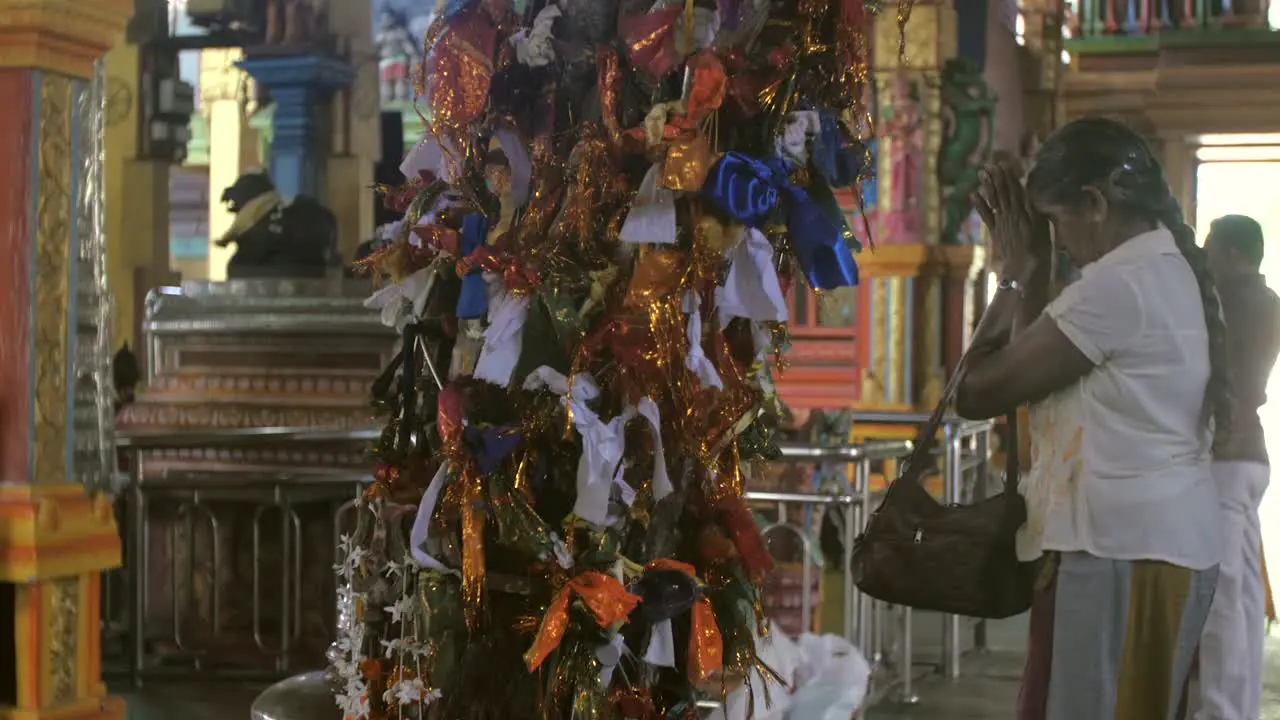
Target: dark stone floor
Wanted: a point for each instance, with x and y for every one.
(986, 691)
(988, 688)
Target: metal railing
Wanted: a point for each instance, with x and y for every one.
(863, 619)
(200, 517)
(882, 632)
(1145, 23)
(965, 461)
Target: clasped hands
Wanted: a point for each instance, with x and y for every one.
(1020, 237)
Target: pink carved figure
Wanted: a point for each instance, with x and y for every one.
(905, 133)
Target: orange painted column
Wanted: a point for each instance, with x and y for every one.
(55, 540)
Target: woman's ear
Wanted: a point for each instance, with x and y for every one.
(1094, 206)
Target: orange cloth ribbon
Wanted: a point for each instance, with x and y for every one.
(689, 154)
(449, 416)
(458, 69)
(739, 524)
(514, 276)
(439, 238)
(609, 74)
(707, 87)
(604, 595)
(706, 646)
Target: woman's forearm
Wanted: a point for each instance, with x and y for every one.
(1015, 307)
(1035, 294)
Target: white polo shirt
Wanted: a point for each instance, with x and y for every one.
(1120, 459)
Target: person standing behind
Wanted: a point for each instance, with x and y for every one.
(1231, 647)
(1124, 371)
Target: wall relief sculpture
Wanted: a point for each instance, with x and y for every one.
(397, 54)
(968, 120)
(903, 138)
(295, 24)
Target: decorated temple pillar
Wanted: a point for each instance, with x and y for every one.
(1177, 153)
(222, 101)
(1042, 106)
(300, 86)
(137, 191)
(356, 133)
(917, 314)
(55, 539)
(934, 130)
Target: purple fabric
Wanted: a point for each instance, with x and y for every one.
(1033, 696)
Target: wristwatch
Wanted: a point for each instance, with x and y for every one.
(1009, 284)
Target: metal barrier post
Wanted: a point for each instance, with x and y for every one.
(951, 491)
(137, 577)
(982, 441)
(858, 513)
(865, 621)
(907, 660)
(849, 515)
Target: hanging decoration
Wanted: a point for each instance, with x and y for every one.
(601, 225)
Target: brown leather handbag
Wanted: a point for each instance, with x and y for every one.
(958, 559)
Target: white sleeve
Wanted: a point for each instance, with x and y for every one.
(1101, 313)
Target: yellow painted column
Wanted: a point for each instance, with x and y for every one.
(1178, 155)
(357, 131)
(233, 145)
(902, 338)
(54, 539)
(137, 200)
(1042, 101)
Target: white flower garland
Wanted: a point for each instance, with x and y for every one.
(353, 698)
(408, 689)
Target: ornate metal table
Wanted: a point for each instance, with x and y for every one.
(246, 449)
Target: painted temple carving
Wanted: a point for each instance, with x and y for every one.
(889, 344)
(968, 134)
(902, 222)
(295, 24)
(397, 50)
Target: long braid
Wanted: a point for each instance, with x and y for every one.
(1111, 158)
(1218, 392)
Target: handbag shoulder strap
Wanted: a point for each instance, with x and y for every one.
(1013, 454)
(926, 439)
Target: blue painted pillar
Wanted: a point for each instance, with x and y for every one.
(300, 87)
(971, 28)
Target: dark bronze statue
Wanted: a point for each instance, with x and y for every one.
(125, 376)
(294, 23)
(274, 238)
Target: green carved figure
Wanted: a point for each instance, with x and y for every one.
(968, 131)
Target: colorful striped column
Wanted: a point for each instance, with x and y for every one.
(55, 540)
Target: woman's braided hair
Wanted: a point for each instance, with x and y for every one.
(1109, 156)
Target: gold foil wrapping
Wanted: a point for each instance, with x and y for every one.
(686, 165)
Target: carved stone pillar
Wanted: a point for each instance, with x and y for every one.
(54, 538)
(1177, 153)
(300, 85)
(1042, 108)
(902, 297)
(222, 92)
(917, 57)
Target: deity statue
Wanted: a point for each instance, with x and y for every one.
(274, 238)
(904, 130)
(294, 23)
(968, 122)
(583, 25)
(125, 376)
(396, 52)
